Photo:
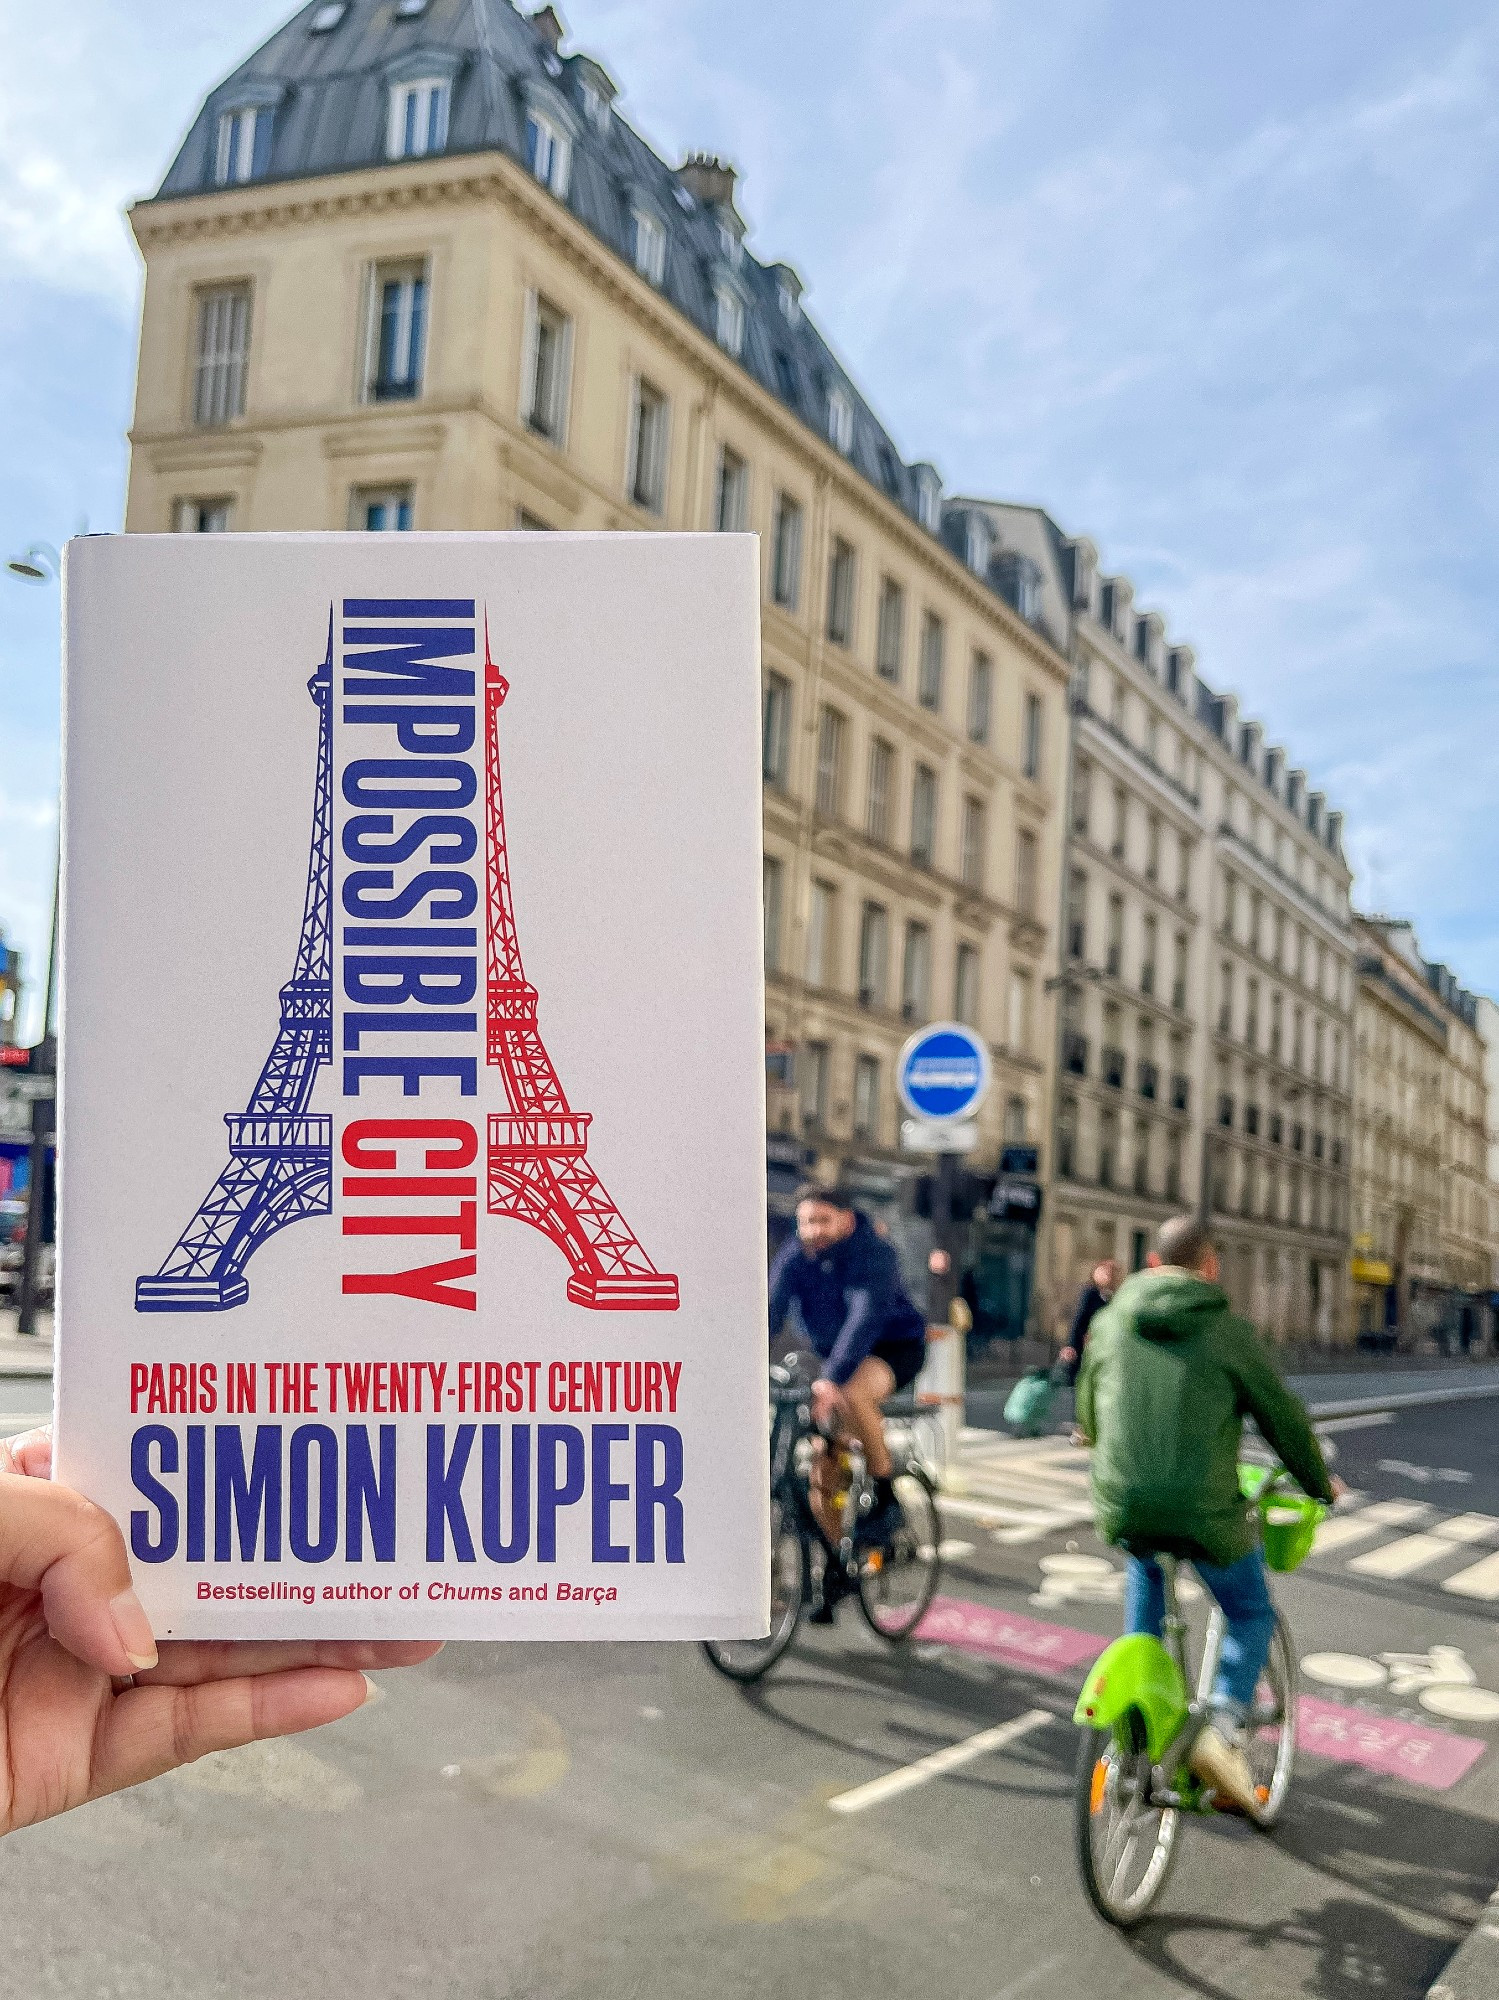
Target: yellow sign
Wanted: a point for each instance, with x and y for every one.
(1370, 1271)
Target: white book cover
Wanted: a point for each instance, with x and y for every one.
(411, 1123)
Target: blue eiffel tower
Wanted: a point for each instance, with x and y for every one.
(280, 1156)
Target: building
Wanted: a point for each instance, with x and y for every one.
(412, 269)
(1470, 1200)
(1205, 1024)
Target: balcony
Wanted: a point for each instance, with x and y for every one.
(1075, 1054)
(1149, 1079)
(1113, 1062)
(1181, 1092)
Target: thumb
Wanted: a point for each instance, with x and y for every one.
(56, 1543)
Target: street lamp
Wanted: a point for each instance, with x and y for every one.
(40, 564)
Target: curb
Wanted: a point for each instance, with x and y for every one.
(1361, 1406)
(1472, 1973)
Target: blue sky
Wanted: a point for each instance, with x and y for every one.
(1216, 286)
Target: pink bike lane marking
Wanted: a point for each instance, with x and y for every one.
(1008, 1637)
(1427, 1757)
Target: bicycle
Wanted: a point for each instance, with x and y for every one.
(894, 1582)
(1138, 1723)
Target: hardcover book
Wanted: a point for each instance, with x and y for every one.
(411, 1273)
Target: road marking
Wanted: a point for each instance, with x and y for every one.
(1345, 1528)
(1344, 1670)
(1482, 1580)
(938, 1763)
(1366, 1422)
(1413, 1552)
(1429, 1757)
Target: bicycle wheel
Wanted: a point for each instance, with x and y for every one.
(1125, 1844)
(1271, 1745)
(898, 1582)
(748, 1659)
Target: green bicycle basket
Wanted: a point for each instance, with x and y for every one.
(1288, 1521)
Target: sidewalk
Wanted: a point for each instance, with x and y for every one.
(1472, 1973)
(25, 1356)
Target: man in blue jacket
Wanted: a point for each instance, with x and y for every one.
(845, 1282)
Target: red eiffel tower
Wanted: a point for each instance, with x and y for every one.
(538, 1150)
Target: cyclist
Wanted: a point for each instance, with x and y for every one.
(1168, 1376)
(845, 1282)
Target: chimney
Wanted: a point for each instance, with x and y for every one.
(1335, 832)
(548, 24)
(708, 179)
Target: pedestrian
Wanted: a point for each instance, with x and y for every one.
(1094, 1296)
(88, 1702)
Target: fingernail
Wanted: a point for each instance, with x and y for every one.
(372, 1692)
(134, 1630)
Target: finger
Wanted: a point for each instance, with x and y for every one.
(54, 1541)
(29, 1454)
(183, 1663)
(154, 1729)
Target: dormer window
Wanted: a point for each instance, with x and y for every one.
(326, 19)
(648, 245)
(408, 10)
(790, 304)
(729, 319)
(595, 110)
(548, 153)
(840, 421)
(730, 243)
(929, 502)
(979, 540)
(244, 146)
(418, 118)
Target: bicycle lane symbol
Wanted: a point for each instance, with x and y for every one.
(1441, 1680)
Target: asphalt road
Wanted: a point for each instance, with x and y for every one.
(583, 1822)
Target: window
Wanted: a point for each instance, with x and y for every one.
(772, 881)
(1179, 972)
(867, 1098)
(244, 146)
(398, 331)
(1226, 998)
(786, 552)
(1025, 872)
(840, 421)
(648, 245)
(929, 678)
(788, 298)
(1082, 796)
(1018, 1025)
(814, 1085)
(1183, 866)
(916, 973)
(881, 788)
(830, 734)
(418, 118)
(978, 540)
(1173, 1165)
(1030, 758)
(1108, 1148)
(728, 320)
(383, 510)
(546, 376)
(408, 10)
(1142, 1160)
(1120, 840)
(731, 500)
(874, 955)
(1277, 1024)
(775, 728)
(1152, 848)
(646, 483)
(327, 18)
(1149, 952)
(965, 988)
(201, 517)
(923, 815)
(731, 244)
(548, 153)
(971, 851)
(222, 354)
(820, 939)
(841, 593)
(890, 628)
(1067, 1139)
(1017, 1119)
(1114, 945)
(980, 697)
(929, 502)
(1077, 914)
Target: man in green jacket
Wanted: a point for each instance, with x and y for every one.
(1168, 1377)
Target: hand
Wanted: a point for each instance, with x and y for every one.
(1339, 1488)
(72, 1629)
(1067, 1356)
(828, 1402)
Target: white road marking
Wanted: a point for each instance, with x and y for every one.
(952, 1551)
(1461, 1704)
(1345, 1528)
(1482, 1580)
(1344, 1670)
(1366, 1422)
(939, 1763)
(1415, 1552)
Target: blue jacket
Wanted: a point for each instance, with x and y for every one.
(851, 1298)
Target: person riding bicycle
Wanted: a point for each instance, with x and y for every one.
(845, 1282)
(1168, 1376)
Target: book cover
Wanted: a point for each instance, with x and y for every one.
(411, 1123)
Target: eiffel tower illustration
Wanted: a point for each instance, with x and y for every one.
(538, 1151)
(280, 1166)
(280, 1156)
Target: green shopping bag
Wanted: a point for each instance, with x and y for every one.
(1029, 1403)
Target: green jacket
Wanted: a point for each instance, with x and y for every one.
(1168, 1377)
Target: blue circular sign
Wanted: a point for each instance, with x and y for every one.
(943, 1072)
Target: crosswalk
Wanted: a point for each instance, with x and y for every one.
(1019, 1491)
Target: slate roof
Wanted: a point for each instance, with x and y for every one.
(329, 89)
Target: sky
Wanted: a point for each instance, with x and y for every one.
(1216, 286)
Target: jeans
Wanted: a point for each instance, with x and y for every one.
(1244, 1598)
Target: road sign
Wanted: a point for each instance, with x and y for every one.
(943, 1073)
(921, 1135)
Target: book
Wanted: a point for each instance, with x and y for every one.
(411, 1264)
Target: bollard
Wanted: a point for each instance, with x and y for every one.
(940, 1388)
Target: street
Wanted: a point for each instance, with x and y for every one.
(572, 1821)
